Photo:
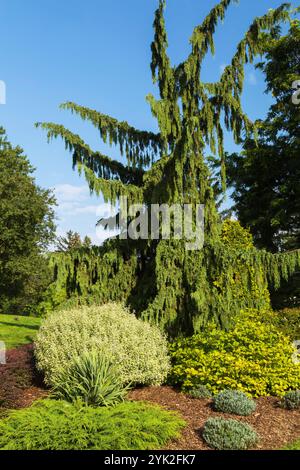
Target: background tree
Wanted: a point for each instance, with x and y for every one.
(26, 229)
(178, 289)
(266, 175)
(72, 241)
(87, 242)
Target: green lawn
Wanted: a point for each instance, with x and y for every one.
(17, 331)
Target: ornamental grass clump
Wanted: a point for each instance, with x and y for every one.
(229, 434)
(234, 402)
(138, 349)
(92, 378)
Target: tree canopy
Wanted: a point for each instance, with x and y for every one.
(26, 229)
(266, 175)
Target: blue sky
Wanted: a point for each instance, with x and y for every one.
(97, 54)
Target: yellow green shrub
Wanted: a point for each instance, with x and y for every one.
(252, 357)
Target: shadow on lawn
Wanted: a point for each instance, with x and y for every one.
(20, 325)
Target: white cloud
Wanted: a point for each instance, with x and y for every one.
(92, 209)
(71, 199)
(66, 206)
(222, 68)
(78, 212)
(70, 193)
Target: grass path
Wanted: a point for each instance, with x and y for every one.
(17, 331)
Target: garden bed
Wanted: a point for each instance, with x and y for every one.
(20, 386)
(276, 426)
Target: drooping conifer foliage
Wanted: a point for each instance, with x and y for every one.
(178, 289)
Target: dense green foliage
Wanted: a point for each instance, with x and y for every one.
(229, 434)
(26, 228)
(252, 357)
(16, 331)
(137, 348)
(291, 400)
(234, 402)
(266, 175)
(91, 378)
(58, 425)
(177, 289)
(239, 278)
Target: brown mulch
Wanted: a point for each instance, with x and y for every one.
(20, 384)
(277, 427)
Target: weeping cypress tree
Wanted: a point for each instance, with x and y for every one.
(178, 289)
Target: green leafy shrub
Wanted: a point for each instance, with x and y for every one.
(200, 392)
(92, 378)
(137, 348)
(291, 400)
(234, 402)
(229, 434)
(59, 425)
(252, 357)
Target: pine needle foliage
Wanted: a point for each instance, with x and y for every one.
(166, 284)
(59, 425)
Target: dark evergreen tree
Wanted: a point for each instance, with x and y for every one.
(266, 175)
(178, 289)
